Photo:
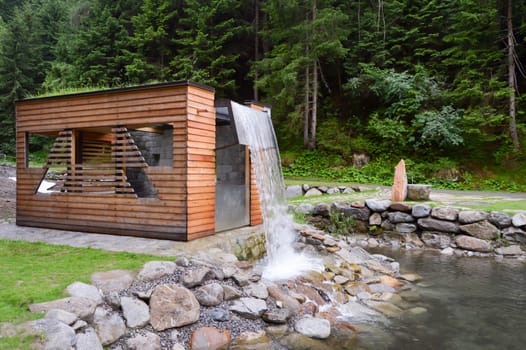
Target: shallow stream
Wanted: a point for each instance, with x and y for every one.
(472, 303)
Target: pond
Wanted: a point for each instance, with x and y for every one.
(472, 303)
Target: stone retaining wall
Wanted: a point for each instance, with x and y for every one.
(471, 232)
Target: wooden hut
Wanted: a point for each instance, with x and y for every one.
(135, 161)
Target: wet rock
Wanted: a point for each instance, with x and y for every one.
(498, 219)
(153, 270)
(378, 205)
(279, 316)
(88, 340)
(257, 290)
(381, 288)
(135, 311)
(417, 310)
(481, 229)
(447, 251)
(211, 294)
(83, 290)
(252, 341)
(82, 307)
(471, 216)
(354, 288)
(230, 293)
(196, 277)
(510, 250)
(411, 277)
(514, 234)
(114, 280)
(519, 219)
(108, 325)
(436, 240)
(341, 279)
(57, 334)
(173, 306)
(399, 217)
(293, 191)
(251, 308)
(209, 338)
(375, 219)
(472, 243)
(444, 213)
(219, 314)
(322, 210)
(296, 341)
(390, 281)
(288, 301)
(405, 228)
(421, 210)
(313, 192)
(62, 316)
(313, 327)
(430, 224)
(144, 341)
(387, 309)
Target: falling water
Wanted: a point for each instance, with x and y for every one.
(254, 128)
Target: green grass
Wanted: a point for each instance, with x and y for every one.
(37, 272)
(504, 205)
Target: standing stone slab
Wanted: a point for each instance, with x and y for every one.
(482, 230)
(471, 216)
(135, 311)
(421, 210)
(153, 270)
(313, 327)
(173, 306)
(399, 188)
(472, 243)
(430, 224)
(445, 213)
(88, 340)
(83, 290)
(108, 325)
(418, 192)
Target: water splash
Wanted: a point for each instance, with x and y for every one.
(254, 128)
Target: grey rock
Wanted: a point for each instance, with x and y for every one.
(444, 213)
(387, 225)
(58, 335)
(481, 229)
(144, 341)
(305, 187)
(197, 276)
(471, 216)
(313, 327)
(436, 240)
(339, 279)
(399, 206)
(113, 299)
(417, 192)
(293, 191)
(231, 293)
(375, 219)
(135, 311)
(88, 340)
(381, 288)
(411, 238)
(83, 290)
(279, 316)
(405, 228)
(257, 290)
(62, 316)
(519, 219)
(154, 270)
(421, 210)
(251, 308)
(348, 210)
(79, 324)
(378, 205)
(210, 294)
(242, 278)
(305, 208)
(173, 306)
(399, 217)
(114, 280)
(182, 261)
(447, 251)
(108, 325)
(82, 307)
(313, 192)
(322, 210)
(333, 190)
(323, 189)
(329, 242)
(501, 220)
(510, 250)
(219, 314)
(514, 234)
(347, 190)
(472, 243)
(430, 224)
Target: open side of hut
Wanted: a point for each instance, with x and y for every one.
(150, 161)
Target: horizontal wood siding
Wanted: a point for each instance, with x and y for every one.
(184, 208)
(201, 175)
(255, 205)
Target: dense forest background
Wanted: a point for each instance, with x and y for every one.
(437, 82)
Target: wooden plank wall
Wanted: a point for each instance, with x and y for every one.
(184, 208)
(255, 205)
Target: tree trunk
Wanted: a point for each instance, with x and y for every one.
(256, 49)
(314, 112)
(512, 79)
(306, 112)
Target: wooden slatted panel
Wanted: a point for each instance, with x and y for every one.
(60, 153)
(255, 205)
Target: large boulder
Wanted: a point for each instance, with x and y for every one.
(135, 311)
(111, 281)
(481, 229)
(173, 306)
(57, 334)
(501, 220)
(430, 224)
(444, 213)
(420, 210)
(378, 205)
(471, 216)
(154, 270)
(210, 294)
(83, 290)
(293, 191)
(472, 243)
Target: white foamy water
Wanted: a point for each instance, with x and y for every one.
(254, 128)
